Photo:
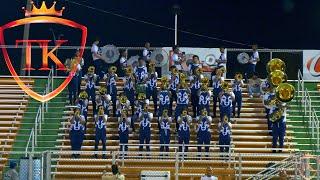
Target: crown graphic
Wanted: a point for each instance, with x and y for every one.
(43, 10)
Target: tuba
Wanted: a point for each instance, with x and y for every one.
(277, 114)
(113, 69)
(285, 92)
(123, 100)
(141, 96)
(276, 64)
(243, 58)
(276, 77)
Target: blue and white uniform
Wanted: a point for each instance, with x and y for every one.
(278, 129)
(139, 109)
(100, 133)
(204, 132)
(226, 104)
(165, 133)
(182, 101)
(129, 90)
(141, 73)
(204, 101)
(164, 101)
(76, 133)
(224, 136)
(112, 88)
(184, 131)
(216, 84)
(195, 88)
(236, 88)
(90, 89)
(145, 132)
(268, 96)
(105, 101)
(152, 89)
(83, 106)
(174, 81)
(123, 130)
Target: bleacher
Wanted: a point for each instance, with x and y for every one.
(249, 135)
(13, 103)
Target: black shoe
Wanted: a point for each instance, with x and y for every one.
(274, 151)
(280, 151)
(104, 156)
(95, 156)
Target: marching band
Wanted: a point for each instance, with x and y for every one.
(185, 89)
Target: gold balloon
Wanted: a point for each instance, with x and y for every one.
(276, 64)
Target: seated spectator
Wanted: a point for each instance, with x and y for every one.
(209, 175)
(254, 85)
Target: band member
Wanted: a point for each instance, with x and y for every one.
(73, 85)
(141, 72)
(140, 105)
(79, 68)
(145, 128)
(152, 85)
(203, 130)
(237, 85)
(182, 97)
(76, 132)
(91, 79)
(146, 53)
(129, 86)
(101, 125)
(216, 84)
(111, 79)
(254, 85)
(224, 134)
(165, 122)
(164, 95)
(124, 124)
(176, 58)
(123, 63)
(122, 104)
(184, 121)
(251, 66)
(278, 117)
(204, 96)
(82, 103)
(104, 99)
(268, 100)
(174, 81)
(222, 61)
(97, 58)
(195, 88)
(226, 99)
(195, 64)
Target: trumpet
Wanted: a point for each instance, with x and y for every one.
(113, 69)
(123, 99)
(183, 77)
(129, 70)
(205, 80)
(164, 82)
(174, 71)
(224, 86)
(219, 72)
(101, 111)
(238, 77)
(83, 95)
(102, 90)
(198, 71)
(77, 113)
(141, 96)
(223, 69)
(152, 66)
(91, 70)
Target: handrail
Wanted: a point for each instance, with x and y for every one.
(31, 139)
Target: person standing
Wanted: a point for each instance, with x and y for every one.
(123, 130)
(123, 63)
(251, 65)
(91, 79)
(195, 89)
(184, 121)
(237, 85)
(97, 58)
(129, 86)
(224, 134)
(12, 173)
(146, 53)
(226, 100)
(278, 126)
(77, 128)
(204, 96)
(152, 85)
(111, 79)
(254, 85)
(216, 84)
(100, 131)
(145, 128)
(222, 61)
(165, 122)
(174, 82)
(203, 130)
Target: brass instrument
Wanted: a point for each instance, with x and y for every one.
(223, 69)
(83, 95)
(219, 72)
(174, 71)
(205, 84)
(277, 114)
(276, 64)
(141, 96)
(123, 99)
(129, 70)
(113, 69)
(152, 66)
(102, 90)
(183, 84)
(164, 82)
(205, 80)
(183, 77)
(165, 113)
(204, 112)
(184, 112)
(198, 71)
(77, 112)
(101, 111)
(91, 70)
(276, 77)
(271, 101)
(285, 92)
(238, 76)
(224, 85)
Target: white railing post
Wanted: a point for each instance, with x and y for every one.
(36, 131)
(32, 141)
(176, 165)
(48, 166)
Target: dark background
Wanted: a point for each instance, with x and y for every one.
(284, 24)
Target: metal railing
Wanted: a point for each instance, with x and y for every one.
(39, 119)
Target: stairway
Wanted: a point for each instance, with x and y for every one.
(13, 103)
(250, 135)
